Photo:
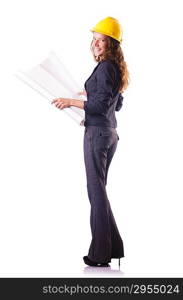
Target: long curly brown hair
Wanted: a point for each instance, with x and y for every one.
(115, 53)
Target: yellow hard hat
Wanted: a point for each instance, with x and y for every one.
(109, 26)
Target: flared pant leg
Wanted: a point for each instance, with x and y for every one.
(99, 147)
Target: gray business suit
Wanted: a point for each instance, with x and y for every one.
(100, 143)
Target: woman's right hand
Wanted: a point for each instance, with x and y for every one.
(83, 93)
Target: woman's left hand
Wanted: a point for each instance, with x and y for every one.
(62, 102)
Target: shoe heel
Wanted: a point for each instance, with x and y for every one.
(119, 262)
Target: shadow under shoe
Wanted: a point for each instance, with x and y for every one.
(91, 263)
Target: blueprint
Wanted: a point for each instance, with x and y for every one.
(51, 79)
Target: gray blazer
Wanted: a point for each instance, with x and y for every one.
(103, 97)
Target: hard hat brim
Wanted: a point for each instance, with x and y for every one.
(108, 34)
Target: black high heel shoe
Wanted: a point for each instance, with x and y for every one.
(91, 263)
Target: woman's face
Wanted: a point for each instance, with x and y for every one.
(99, 43)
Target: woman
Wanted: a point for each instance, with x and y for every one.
(103, 89)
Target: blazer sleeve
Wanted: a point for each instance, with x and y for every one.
(119, 102)
(105, 82)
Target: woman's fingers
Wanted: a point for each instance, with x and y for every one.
(55, 100)
(62, 102)
(60, 105)
(83, 92)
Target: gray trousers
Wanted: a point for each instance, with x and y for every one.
(100, 144)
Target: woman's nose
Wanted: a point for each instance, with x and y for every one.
(96, 43)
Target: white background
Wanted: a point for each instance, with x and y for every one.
(44, 208)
